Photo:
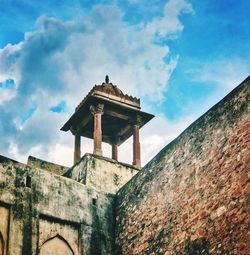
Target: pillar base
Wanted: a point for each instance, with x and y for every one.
(98, 152)
(115, 152)
(137, 163)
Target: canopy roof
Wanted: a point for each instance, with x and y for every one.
(119, 114)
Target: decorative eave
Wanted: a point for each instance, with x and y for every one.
(120, 111)
(83, 107)
(111, 92)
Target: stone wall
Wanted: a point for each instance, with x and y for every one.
(101, 173)
(4, 222)
(43, 213)
(193, 197)
(42, 164)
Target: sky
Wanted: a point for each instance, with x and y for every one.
(180, 57)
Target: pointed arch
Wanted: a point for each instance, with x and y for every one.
(1, 244)
(56, 245)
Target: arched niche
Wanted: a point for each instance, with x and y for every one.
(1, 244)
(56, 245)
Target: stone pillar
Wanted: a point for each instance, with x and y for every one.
(115, 151)
(77, 152)
(136, 146)
(97, 112)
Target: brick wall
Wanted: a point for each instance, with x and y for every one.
(193, 197)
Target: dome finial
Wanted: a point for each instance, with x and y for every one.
(106, 79)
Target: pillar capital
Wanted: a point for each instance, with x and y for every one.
(137, 120)
(96, 109)
(73, 130)
(97, 112)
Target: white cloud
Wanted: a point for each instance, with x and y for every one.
(6, 95)
(169, 24)
(62, 60)
(154, 139)
(226, 73)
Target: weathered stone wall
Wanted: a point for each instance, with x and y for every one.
(41, 211)
(4, 222)
(193, 197)
(42, 164)
(100, 173)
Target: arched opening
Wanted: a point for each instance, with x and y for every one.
(1, 244)
(56, 246)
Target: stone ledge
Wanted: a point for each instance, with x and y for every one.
(46, 165)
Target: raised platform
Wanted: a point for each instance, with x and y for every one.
(46, 165)
(101, 173)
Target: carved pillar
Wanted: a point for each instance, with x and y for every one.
(136, 146)
(115, 151)
(97, 112)
(77, 152)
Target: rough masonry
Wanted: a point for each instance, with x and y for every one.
(41, 211)
(193, 198)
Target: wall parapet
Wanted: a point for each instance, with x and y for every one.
(101, 173)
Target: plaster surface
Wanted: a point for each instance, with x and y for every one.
(100, 173)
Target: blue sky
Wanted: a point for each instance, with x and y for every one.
(180, 57)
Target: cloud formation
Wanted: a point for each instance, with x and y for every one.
(225, 73)
(61, 60)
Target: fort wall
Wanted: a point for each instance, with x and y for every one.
(193, 197)
(44, 213)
